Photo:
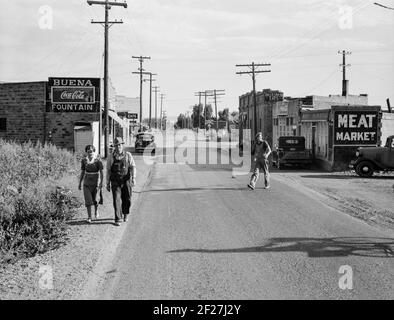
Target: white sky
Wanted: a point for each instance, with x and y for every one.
(195, 44)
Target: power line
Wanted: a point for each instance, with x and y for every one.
(383, 6)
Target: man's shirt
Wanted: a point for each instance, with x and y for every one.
(261, 149)
(129, 159)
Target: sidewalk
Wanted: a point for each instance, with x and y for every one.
(76, 265)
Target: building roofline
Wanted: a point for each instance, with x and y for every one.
(22, 82)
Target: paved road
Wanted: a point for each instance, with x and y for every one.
(197, 233)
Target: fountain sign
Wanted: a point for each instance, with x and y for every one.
(73, 95)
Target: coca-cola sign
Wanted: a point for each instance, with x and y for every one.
(73, 95)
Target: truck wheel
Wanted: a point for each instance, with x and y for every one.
(365, 169)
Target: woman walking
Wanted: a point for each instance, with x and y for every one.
(92, 178)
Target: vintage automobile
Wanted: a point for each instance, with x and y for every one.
(291, 151)
(374, 159)
(145, 141)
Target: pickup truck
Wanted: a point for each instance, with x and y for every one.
(373, 159)
(291, 151)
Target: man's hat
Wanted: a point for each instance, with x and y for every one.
(118, 140)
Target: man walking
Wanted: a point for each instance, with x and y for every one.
(120, 169)
(260, 151)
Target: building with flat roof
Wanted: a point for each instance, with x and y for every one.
(62, 111)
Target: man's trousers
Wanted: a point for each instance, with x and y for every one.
(121, 194)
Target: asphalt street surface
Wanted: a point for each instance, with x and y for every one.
(198, 233)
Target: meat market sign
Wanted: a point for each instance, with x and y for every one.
(73, 95)
(356, 127)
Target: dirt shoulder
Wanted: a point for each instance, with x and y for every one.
(369, 199)
(71, 271)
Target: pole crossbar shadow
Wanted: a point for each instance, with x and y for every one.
(315, 247)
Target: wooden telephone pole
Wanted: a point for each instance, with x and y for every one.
(345, 83)
(162, 95)
(253, 72)
(150, 96)
(199, 94)
(215, 93)
(141, 60)
(156, 90)
(107, 24)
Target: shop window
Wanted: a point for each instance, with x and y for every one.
(3, 124)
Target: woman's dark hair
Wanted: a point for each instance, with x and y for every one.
(90, 147)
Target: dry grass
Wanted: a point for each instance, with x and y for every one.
(34, 208)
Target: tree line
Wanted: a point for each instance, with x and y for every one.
(204, 118)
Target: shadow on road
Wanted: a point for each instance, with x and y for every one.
(338, 176)
(84, 222)
(316, 247)
(193, 189)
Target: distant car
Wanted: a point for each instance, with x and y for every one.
(291, 151)
(145, 141)
(373, 159)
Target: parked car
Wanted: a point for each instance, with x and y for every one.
(291, 151)
(373, 159)
(143, 141)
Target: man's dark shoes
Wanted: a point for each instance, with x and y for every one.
(125, 217)
(251, 186)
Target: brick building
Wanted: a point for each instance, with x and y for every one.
(265, 102)
(60, 113)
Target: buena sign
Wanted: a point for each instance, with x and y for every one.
(359, 127)
(73, 95)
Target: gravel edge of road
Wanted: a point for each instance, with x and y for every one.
(71, 271)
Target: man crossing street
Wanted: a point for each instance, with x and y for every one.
(260, 151)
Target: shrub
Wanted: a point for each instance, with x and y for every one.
(33, 210)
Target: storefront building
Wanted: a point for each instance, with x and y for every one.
(286, 113)
(61, 111)
(334, 134)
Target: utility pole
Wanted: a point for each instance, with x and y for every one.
(253, 72)
(345, 83)
(107, 24)
(156, 90)
(141, 60)
(150, 97)
(215, 93)
(162, 95)
(199, 94)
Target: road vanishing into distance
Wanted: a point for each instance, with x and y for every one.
(199, 233)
